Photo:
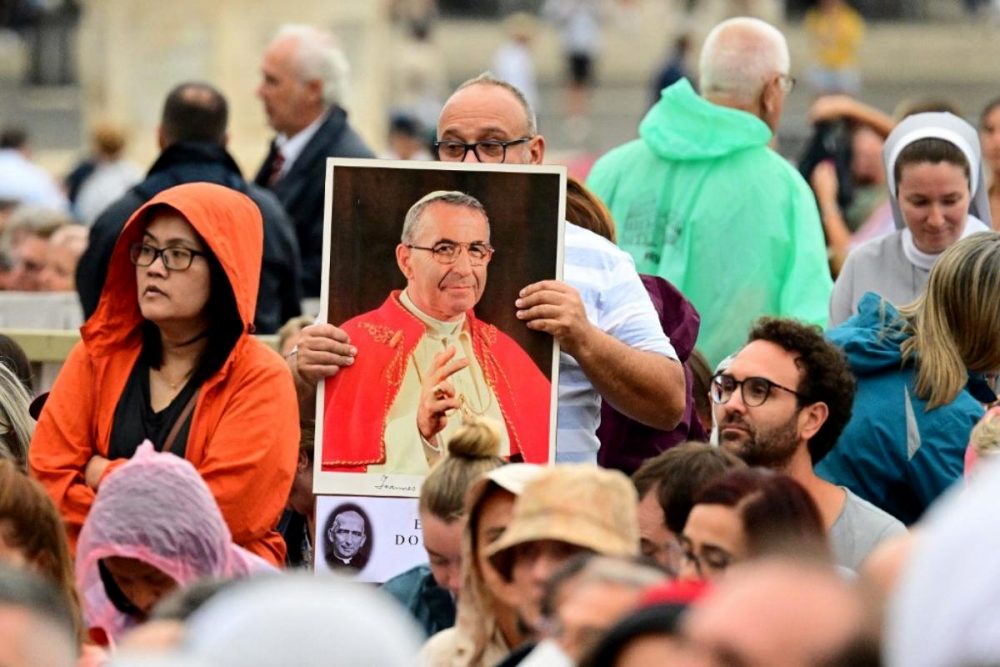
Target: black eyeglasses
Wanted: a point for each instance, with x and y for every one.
(485, 151)
(447, 252)
(787, 83)
(754, 390)
(175, 258)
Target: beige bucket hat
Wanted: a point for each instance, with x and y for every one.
(579, 504)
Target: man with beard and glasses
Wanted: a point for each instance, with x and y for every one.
(782, 404)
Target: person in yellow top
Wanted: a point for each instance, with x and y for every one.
(835, 30)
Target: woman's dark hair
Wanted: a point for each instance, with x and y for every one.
(30, 523)
(585, 209)
(224, 324)
(678, 474)
(778, 514)
(933, 150)
(13, 357)
(116, 596)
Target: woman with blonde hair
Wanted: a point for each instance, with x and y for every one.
(429, 592)
(921, 381)
(486, 625)
(16, 425)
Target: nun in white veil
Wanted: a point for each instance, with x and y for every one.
(933, 165)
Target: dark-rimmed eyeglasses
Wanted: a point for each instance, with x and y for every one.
(787, 82)
(175, 258)
(485, 151)
(447, 252)
(754, 390)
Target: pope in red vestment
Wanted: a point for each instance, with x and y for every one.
(359, 397)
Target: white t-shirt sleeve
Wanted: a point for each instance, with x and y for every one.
(612, 292)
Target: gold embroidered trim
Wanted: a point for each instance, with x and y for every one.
(380, 333)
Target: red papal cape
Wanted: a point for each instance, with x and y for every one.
(357, 399)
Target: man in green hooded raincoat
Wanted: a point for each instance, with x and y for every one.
(702, 200)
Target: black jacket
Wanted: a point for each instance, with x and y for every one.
(302, 190)
(279, 296)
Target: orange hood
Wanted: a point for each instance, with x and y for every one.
(231, 226)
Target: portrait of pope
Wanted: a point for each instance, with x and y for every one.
(425, 362)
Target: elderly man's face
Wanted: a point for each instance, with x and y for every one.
(776, 613)
(489, 113)
(30, 259)
(445, 291)
(348, 535)
(290, 103)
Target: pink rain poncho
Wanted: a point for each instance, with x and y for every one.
(157, 509)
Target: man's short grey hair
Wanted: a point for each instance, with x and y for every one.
(411, 224)
(490, 79)
(739, 56)
(319, 57)
(31, 220)
(619, 572)
(588, 569)
(337, 520)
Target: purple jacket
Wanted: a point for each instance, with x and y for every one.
(625, 443)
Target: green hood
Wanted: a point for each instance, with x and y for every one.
(685, 126)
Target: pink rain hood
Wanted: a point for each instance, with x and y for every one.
(157, 509)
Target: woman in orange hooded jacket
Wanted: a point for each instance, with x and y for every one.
(167, 356)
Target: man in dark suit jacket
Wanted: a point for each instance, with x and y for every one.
(192, 137)
(304, 76)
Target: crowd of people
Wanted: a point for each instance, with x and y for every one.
(775, 402)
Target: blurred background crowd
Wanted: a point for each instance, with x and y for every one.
(75, 104)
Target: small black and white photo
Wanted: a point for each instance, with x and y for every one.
(347, 537)
(369, 539)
